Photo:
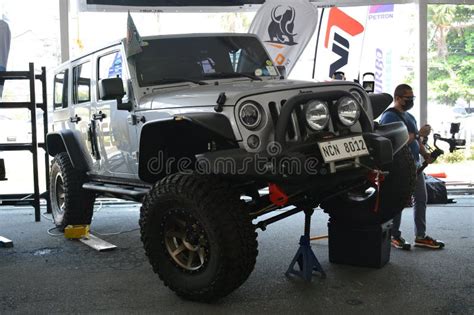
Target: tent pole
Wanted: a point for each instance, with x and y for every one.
(421, 65)
(64, 28)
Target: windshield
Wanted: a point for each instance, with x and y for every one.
(171, 60)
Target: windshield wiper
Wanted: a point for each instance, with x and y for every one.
(176, 80)
(232, 74)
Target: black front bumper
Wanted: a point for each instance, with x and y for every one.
(301, 161)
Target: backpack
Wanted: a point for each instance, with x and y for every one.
(436, 191)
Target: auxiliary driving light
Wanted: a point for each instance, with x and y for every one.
(317, 115)
(348, 111)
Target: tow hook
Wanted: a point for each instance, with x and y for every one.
(277, 196)
(377, 177)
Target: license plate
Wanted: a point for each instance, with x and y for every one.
(342, 149)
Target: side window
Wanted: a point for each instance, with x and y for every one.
(82, 83)
(110, 66)
(60, 89)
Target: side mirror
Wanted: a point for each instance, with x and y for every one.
(282, 70)
(112, 89)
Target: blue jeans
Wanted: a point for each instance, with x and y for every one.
(419, 210)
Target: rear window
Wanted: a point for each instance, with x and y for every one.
(60, 89)
(82, 83)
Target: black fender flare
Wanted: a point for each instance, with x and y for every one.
(171, 144)
(67, 141)
(379, 103)
(396, 132)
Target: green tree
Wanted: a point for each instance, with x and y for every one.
(451, 53)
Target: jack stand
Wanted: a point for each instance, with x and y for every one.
(305, 256)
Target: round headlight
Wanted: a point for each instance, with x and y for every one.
(250, 115)
(317, 115)
(348, 111)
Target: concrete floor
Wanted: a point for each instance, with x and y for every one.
(49, 274)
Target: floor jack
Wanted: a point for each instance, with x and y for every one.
(305, 257)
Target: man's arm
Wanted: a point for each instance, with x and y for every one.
(411, 137)
(422, 133)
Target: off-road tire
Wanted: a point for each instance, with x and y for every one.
(395, 193)
(227, 235)
(78, 203)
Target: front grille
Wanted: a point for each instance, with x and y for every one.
(296, 129)
(274, 112)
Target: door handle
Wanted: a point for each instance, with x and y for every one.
(99, 116)
(92, 133)
(76, 119)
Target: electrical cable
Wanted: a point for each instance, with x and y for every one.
(44, 216)
(115, 233)
(52, 234)
(99, 208)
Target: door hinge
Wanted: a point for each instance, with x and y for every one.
(135, 119)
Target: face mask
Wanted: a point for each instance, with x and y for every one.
(408, 105)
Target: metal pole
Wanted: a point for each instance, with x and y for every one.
(64, 28)
(34, 144)
(317, 43)
(421, 72)
(45, 132)
(307, 222)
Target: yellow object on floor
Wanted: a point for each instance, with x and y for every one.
(76, 231)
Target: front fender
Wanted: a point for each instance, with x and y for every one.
(396, 132)
(171, 145)
(379, 103)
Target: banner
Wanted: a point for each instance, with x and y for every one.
(285, 27)
(340, 43)
(5, 37)
(133, 41)
(378, 49)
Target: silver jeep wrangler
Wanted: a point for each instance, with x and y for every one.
(208, 135)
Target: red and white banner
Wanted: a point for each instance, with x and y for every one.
(285, 27)
(340, 42)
